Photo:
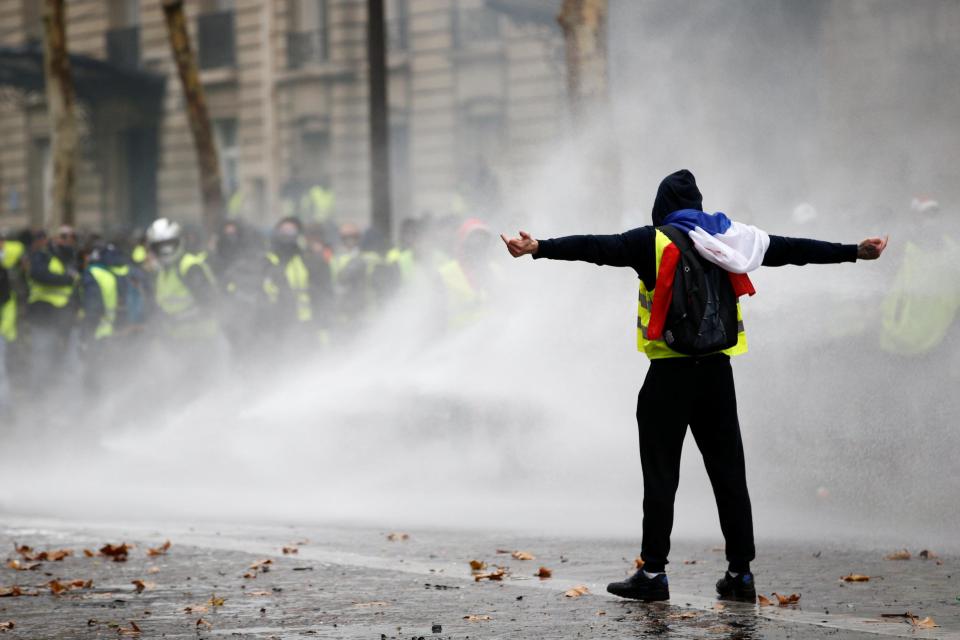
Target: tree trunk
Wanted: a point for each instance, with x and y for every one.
(584, 24)
(63, 120)
(379, 120)
(210, 184)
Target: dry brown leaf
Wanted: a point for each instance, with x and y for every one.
(259, 564)
(638, 563)
(856, 577)
(139, 585)
(80, 584)
(397, 536)
(196, 608)
(477, 618)
(290, 551)
(88, 553)
(477, 565)
(719, 606)
(159, 551)
(7, 625)
(57, 587)
(923, 623)
(153, 569)
(902, 554)
(132, 630)
(10, 592)
(203, 623)
(215, 601)
(689, 562)
(57, 555)
(601, 613)
(497, 574)
(118, 553)
(248, 575)
(783, 601)
(543, 573)
(258, 594)
(19, 566)
(926, 554)
(577, 591)
(522, 555)
(763, 600)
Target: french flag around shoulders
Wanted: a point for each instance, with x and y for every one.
(733, 246)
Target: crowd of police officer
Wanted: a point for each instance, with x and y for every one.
(76, 303)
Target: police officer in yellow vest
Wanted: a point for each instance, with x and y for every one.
(681, 391)
(185, 292)
(292, 285)
(51, 307)
(103, 289)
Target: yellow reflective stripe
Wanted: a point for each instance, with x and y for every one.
(107, 282)
(13, 250)
(298, 277)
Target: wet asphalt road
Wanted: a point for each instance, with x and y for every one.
(356, 583)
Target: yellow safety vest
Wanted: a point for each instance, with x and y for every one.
(107, 281)
(139, 254)
(657, 349)
(466, 304)
(56, 295)
(298, 279)
(13, 251)
(920, 309)
(176, 299)
(403, 258)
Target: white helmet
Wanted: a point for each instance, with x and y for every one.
(164, 237)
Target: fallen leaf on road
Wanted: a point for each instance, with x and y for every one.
(497, 574)
(257, 594)
(522, 555)
(397, 536)
(88, 553)
(601, 613)
(902, 554)
(477, 565)
(924, 623)
(855, 577)
(577, 591)
(118, 553)
(196, 608)
(720, 607)
(215, 601)
(543, 573)
(504, 551)
(763, 600)
(783, 601)
(159, 551)
(689, 562)
(132, 630)
(10, 592)
(52, 555)
(290, 550)
(203, 623)
(897, 615)
(926, 554)
(7, 625)
(19, 566)
(638, 563)
(261, 563)
(153, 569)
(367, 605)
(476, 618)
(57, 587)
(249, 575)
(139, 585)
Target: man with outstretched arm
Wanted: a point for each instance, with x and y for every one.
(684, 390)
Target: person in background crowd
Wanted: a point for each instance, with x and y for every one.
(11, 268)
(469, 277)
(239, 272)
(351, 280)
(185, 290)
(51, 277)
(104, 290)
(288, 285)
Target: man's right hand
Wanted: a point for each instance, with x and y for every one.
(521, 246)
(871, 248)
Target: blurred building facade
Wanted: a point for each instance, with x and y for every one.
(476, 90)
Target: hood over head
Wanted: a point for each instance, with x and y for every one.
(677, 191)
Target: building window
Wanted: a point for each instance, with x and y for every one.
(216, 40)
(123, 36)
(225, 137)
(474, 25)
(398, 25)
(308, 38)
(315, 162)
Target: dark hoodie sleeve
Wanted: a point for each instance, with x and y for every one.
(203, 290)
(632, 248)
(800, 251)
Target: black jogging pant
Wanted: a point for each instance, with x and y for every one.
(698, 392)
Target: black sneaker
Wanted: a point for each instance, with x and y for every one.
(740, 588)
(640, 587)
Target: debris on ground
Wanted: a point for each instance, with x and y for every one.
(477, 565)
(926, 554)
(118, 553)
(543, 573)
(523, 555)
(476, 618)
(902, 554)
(159, 551)
(784, 601)
(397, 536)
(497, 574)
(577, 591)
(855, 577)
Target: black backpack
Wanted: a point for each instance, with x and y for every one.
(702, 317)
